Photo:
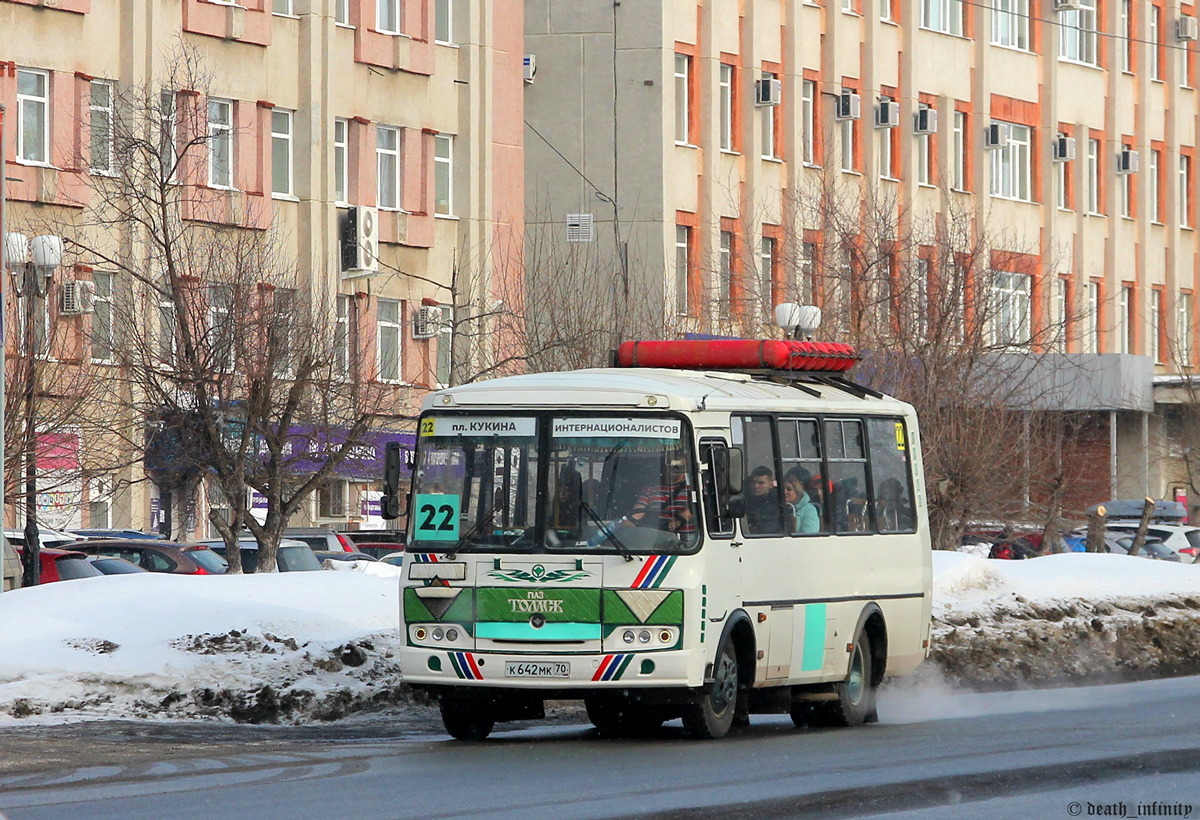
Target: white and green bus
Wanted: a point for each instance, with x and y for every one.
(731, 534)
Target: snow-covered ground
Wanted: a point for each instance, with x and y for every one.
(302, 646)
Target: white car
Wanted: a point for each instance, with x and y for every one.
(1182, 538)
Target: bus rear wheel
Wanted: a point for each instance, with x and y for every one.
(855, 701)
(710, 717)
(466, 718)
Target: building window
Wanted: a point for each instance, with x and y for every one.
(388, 323)
(1010, 24)
(1125, 320)
(1011, 170)
(1062, 183)
(1125, 187)
(341, 160)
(445, 345)
(443, 174)
(683, 256)
(885, 10)
(1010, 309)
(942, 15)
(33, 116)
(1091, 319)
(1152, 177)
(724, 274)
(1077, 33)
(846, 129)
(166, 134)
(1183, 329)
(387, 160)
(1093, 176)
(220, 143)
(1061, 313)
(958, 153)
(282, 7)
(102, 318)
(805, 288)
(220, 330)
(1157, 317)
(1185, 191)
(884, 154)
(725, 92)
(387, 16)
(341, 12)
(281, 152)
(1130, 35)
(683, 85)
(443, 21)
(1156, 42)
(166, 333)
(925, 156)
(100, 126)
(769, 113)
(808, 122)
(331, 499)
(342, 337)
(766, 273)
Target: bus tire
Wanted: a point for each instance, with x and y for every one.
(711, 715)
(466, 718)
(855, 703)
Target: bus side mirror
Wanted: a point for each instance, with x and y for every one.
(734, 471)
(389, 503)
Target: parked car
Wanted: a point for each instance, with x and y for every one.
(1130, 509)
(1152, 549)
(46, 537)
(394, 558)
(113, 566)
(320, 538)
(378, 550)
(357, 537)
(12, 567)
(293, 556)
(153, 536)
(1181, 538)
(157, 556)
(64, 565)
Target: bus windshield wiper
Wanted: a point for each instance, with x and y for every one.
(607, 530)
(474, 531)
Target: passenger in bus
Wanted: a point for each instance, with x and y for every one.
(892, 506)
(799, 513)
(762, 502)
(849, 506)
(666, 506)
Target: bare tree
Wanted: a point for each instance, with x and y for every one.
(228, 353)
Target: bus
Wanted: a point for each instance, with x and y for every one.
(706, 530)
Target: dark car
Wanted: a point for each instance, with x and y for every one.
(293, 556)
(157, 556)
(320, 538)
(379, 550)
(152, 536)
(113, 566)
(357, 537)
(64, 565)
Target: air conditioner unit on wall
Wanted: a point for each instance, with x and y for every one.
(360, 240)
(1127, 162)
(530, 63)
(427, 320)
(849, 106)
(78, 297)
(996, 135)
(925, 121)
(1063, 149)
(1186, 29)
(768, 91)
(1066, 5)
(887, 114)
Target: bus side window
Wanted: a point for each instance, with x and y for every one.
(760, 489)
(849, 495)
(713, 459)
(890, 475)
(800, 460)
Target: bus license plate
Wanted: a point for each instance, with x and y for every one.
(523, 669)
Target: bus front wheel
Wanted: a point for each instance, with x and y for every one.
(711, 715)
(466, 718)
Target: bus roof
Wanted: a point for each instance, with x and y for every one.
(658, 389)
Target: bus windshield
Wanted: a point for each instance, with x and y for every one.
(613, 484)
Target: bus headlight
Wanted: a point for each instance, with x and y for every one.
(655, 637)
(627, 636)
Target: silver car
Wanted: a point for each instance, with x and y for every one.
(293, 556)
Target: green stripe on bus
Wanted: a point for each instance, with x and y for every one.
(814, 638)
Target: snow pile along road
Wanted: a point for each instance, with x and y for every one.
(1062, 619)
(302, 646)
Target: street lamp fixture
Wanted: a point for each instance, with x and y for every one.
(32, 264)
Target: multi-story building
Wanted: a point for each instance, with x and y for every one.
(403, 115)
(694, 135)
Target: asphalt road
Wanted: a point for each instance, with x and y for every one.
(1038, 753)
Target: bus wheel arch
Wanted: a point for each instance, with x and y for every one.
(872, 623)
(724, 700)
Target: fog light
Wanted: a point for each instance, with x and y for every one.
(452, 634)
(628, 636)
(420, 633)
(664, 636)
(644, 636)
(438, 634)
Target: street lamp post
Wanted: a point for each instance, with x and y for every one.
(32, 264)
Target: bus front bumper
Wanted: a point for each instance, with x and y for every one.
(669, 669)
